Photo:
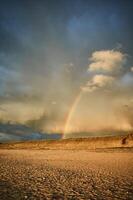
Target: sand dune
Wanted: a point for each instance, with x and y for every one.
(75, 144)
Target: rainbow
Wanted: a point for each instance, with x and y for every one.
(71, 113)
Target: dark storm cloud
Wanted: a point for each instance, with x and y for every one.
(68, 27)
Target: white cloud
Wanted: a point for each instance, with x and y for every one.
(107, 61)
(102, 80)
(98, 81)
(131, 69)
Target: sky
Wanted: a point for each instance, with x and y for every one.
(67, 66)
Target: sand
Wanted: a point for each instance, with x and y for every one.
(65, 174)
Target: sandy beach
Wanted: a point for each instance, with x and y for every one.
(58, 174)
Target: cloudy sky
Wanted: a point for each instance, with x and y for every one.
(67, 64)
